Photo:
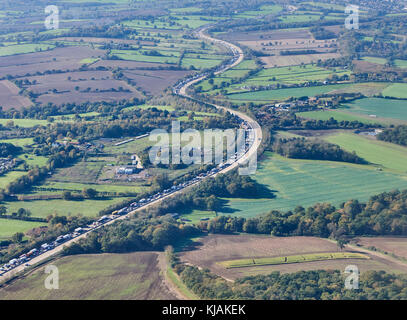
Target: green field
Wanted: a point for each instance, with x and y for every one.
(337, 115)
(387, 155)
(23, 48)
(375, 60)
(25, 123)
(306, 182)
(396, 90)
(9, 177)
(44, 208)
(8, 227)
(19, 142)
(382, 108)
(241, 263)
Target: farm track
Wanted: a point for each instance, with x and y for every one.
(243, 160)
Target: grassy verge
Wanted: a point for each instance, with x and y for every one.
(291, 259)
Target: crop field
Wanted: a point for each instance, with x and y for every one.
(133, 276)
(382, 108)
(295, 60)
(244, 263)
(384, 154)
(8, 227)
(294, 75)
(271, 43)
(397, 90)
(10, 97)
(400, 63)
(306, 182)
(210, 251)
(337, 115)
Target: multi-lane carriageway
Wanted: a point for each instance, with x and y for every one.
(48, 250)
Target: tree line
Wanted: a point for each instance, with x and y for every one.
(383, 214)
(396, 135)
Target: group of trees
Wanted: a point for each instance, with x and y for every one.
(276, 120)
(140, 233)
(302, 285)
(9, 149)
(394, 135)
(65, 156)
(301, 148)
(383, 214)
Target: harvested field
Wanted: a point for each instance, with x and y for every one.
(9, 97)
(133, 276)
(80, 87)
(391, 245)
(217, 248)
(275, 46)
(282, 61)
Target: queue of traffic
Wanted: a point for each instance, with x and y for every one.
(59, 241)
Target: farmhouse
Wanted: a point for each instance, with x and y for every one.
(127, 170)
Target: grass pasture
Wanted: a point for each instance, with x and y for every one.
(44, 208)
(8, 227)
(386, 155)
(337, 115)
(242, 263)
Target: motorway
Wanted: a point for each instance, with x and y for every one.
(182, 91)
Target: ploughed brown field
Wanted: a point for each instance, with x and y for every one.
(390, 245)
(10, 98)
(212, 249)
(63, 59)
(132, 276)
(56, 77)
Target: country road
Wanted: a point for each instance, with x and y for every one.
(250, 153)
